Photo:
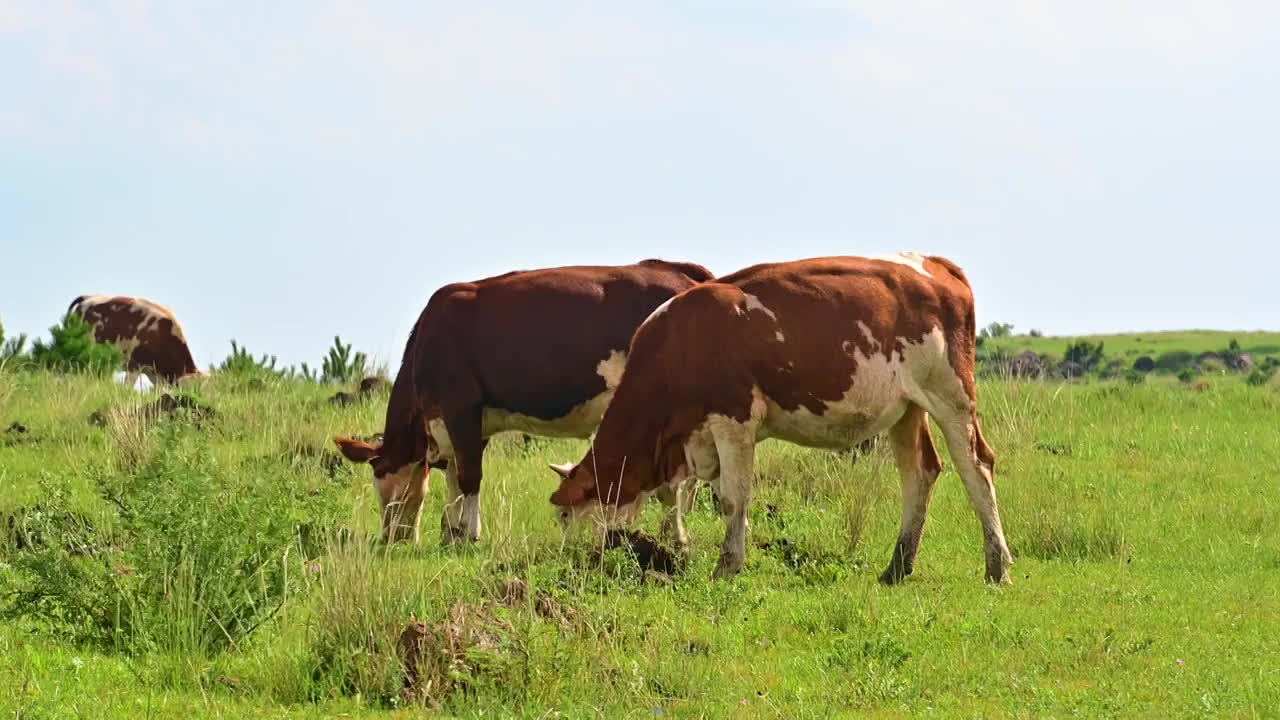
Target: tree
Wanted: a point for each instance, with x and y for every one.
(997, 330)
(341, 365)
(72, 348)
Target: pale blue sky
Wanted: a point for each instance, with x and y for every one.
(281, 172)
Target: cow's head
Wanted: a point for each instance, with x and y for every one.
(589, 496)
(401, 487)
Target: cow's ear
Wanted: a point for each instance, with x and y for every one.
(357, 451)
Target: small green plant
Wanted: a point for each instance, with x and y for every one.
(242, 362)
(342, 365)
(1085, 354)
(1261, 375)
(1187, 374)
(72, 348)
(11, 349)
(1135, 377)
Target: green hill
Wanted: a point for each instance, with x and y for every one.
(1134, 345)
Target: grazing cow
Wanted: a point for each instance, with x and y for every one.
(537, 351)
(147, 332)
(824, 353)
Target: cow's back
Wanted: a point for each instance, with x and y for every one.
(148, 332)
(542, 342)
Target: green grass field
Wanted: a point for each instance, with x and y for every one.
(1131, 346)
(1143, 521)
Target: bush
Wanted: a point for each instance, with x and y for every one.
(72, 348)
(1175, 361)
(341, 365)
(242, 362)
(1261, 376)
(196, 558)
(1187, 374)
(997, 330)
(1135, 377)
(1085, 354)
(11, 350)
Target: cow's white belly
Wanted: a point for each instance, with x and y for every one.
(580, 422)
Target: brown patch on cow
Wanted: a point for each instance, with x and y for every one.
(148, 332)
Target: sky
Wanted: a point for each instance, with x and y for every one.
(280, 173)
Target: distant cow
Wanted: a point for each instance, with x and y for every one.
(825, 353)
(147, 332)
(538, 351)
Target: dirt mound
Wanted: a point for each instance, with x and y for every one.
(17, 434)
(645, 549)
(439, 658)
(166, 406)
(367, 387)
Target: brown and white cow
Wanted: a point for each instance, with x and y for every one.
(824, 352)
(537, 351)
(147, 332)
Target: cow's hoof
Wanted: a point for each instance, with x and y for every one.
(893, 575)
(727, 567)
(452, 535)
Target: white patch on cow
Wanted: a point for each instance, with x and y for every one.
(779, 336)
(872, 342)
(913, 260)
(658, 311)
(878, 395)
(753, 303)
(611, 368)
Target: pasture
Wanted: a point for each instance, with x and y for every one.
(1142, 518)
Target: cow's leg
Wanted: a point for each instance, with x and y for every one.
(736, 445)
(451, 517)
(464, 426)
(918, 466)
(677, 498)
(975, 461)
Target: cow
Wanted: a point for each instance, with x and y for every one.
(147, 332)
(536, 351)
(824, 352)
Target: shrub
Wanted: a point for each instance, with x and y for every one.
(997, 330)
(1187, 374)
(1135, 377)
(1175, 361)
(1261, 376)
(72, 348)
(242, 362)
(1036, 333)
(341, 365)
(11, 349)
(197, 557)
(1085, 354)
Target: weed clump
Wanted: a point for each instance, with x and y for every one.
(190, 557)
